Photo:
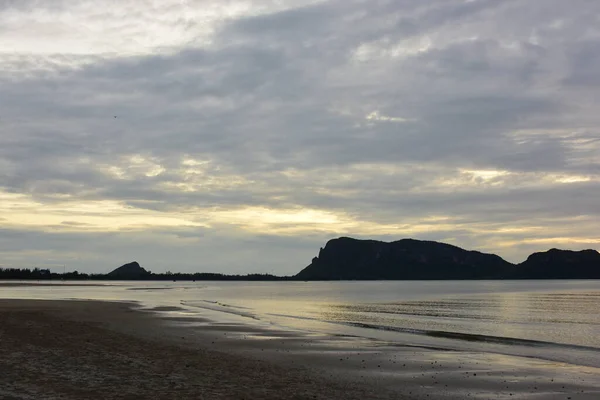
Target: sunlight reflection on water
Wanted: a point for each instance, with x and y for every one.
(543, 316)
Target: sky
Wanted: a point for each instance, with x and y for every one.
(239, 136)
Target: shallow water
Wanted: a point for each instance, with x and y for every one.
(555, 320)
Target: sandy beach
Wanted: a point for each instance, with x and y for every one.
(110, 350)
(73, 350)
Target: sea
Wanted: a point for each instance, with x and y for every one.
(548, 320)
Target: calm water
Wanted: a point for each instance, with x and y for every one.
(557, 320)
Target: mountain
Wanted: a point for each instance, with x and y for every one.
(560, 264)
(347, 259)
(133, 270)
(408, 259)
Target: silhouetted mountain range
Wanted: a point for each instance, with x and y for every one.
(353, 259)
(560, 264)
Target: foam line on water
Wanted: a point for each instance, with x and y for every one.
(219, 307)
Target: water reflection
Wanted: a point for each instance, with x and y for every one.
(551, 319)
(561, 318)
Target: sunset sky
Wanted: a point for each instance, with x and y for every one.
(237, 136)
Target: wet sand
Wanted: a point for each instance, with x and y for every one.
(102, 350)
(406, 370)
(49, 284)
(93, 350)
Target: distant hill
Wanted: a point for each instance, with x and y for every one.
(409, 259)
(132, 270)
(561, 264)
(353, 259)
(347, 258)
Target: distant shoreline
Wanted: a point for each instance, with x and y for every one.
(70, 281)
(347, 258)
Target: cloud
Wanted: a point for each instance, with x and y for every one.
(238, 124)
(375, 116)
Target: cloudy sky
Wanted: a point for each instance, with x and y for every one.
(239, 136)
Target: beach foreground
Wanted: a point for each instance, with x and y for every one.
(53, 349)
(60, 349)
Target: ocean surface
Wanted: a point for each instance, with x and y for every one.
(552, 320)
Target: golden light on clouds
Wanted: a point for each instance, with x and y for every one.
(262, 219)
(572, 240)
(466, 178)
(193, 175)
(550, 242)
(569, 178)
(469, 178)
(303, 220)
(21, 211)
(131, 167)
(484, 175)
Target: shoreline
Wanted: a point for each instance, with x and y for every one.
(292, 365)
(108, 350)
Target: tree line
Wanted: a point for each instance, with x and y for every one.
(46, 274)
